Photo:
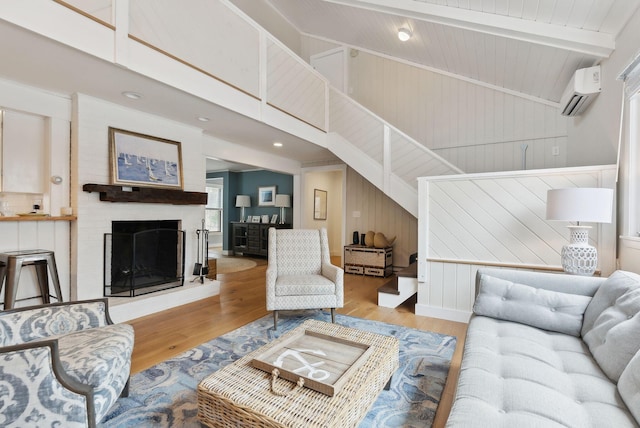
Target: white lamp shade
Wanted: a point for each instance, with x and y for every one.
(593, 205)
(243, 201)
(283, 201)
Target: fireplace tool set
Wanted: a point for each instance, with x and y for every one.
(201, 267)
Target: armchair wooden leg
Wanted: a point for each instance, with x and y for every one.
(333, 315)
(275, 320)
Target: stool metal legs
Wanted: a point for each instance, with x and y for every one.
(11, 264)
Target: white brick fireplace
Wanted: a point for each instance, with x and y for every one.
(90, 164)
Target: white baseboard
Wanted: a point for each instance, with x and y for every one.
(123, 309)
(442, 313)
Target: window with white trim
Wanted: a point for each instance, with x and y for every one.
(213, 209)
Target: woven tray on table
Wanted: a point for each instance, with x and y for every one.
(240, 394)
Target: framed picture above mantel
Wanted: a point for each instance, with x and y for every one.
(142, 160)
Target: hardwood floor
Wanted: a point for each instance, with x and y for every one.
(242, 300)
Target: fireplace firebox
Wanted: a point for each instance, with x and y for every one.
(142, 257)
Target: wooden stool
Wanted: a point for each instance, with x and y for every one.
(11, 263)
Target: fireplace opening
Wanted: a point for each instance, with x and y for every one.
(143, 257)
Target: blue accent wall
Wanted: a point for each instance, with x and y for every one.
(247, 183)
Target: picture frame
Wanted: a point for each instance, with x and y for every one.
(267, 196)
(143, 160)
(255, 219)
(319, 204)
(265, 218)
(274, 218)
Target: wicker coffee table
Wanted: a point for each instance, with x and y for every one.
(240, 395)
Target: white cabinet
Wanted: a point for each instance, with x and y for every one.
(22, 158)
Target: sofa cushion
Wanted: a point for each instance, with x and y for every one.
(546, 309)
(614, 335)
(514, 375)
(100, 357)
(629, 386)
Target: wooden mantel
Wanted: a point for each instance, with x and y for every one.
(149, 195)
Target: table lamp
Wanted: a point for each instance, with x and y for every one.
(282, 202)
(242, 201)
(592, 205)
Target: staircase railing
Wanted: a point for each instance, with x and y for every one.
(216, 52)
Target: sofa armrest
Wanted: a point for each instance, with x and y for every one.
(571, 284)
(39, 385)
(26, 324)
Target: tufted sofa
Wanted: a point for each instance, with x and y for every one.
(551, 350)
(62, 364)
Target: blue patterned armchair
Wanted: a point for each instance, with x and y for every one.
(62, 364)
(300, 274)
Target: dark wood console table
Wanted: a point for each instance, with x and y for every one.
(252, 238)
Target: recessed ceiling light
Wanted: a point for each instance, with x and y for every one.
(203, 119)
(404, 34)
(276, 144)
(132, 95)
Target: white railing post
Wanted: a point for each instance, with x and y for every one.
(121, 24)
(386, 159)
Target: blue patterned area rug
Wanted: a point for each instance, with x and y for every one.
(165, 394)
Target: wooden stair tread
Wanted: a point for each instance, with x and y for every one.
(390, 287)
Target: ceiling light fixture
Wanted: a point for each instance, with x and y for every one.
(276, 144)
(404, 34)
(132, 95)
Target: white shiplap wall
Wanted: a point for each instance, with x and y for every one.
(477, 128)
(469, 221)
(207, 35)
(379, 213)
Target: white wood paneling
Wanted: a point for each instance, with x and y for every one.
(379, 213)
(206, 35)
(521, 46)
(476, 128)
(467, 221)
(102, 10)
(356, 125)
(294, 87)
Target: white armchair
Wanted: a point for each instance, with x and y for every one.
(300, 274)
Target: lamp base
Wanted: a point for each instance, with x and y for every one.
(282, 220)
(579, 258)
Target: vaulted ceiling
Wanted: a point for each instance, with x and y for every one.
(528, 46)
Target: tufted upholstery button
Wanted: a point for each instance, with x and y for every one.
(504, 298)
(578, 401)
(553, 309)
(629, 317)
(501, 411)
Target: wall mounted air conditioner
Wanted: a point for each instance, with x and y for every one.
(582, 89)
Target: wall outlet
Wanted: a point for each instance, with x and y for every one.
(555, 151)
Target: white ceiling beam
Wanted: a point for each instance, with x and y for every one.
(562, 37)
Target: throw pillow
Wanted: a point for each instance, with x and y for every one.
(614, 337)
(545, 309)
